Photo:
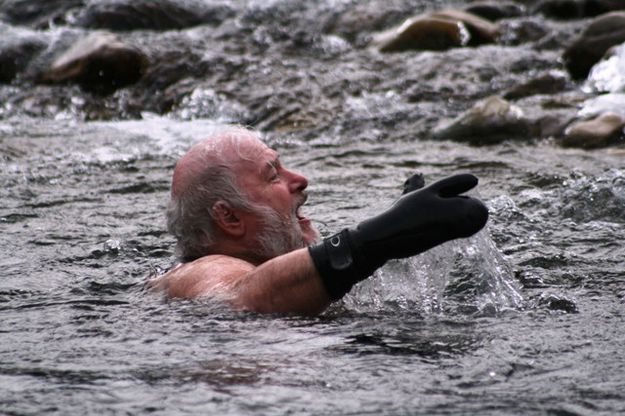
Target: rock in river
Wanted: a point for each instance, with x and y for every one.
(423, 33)
(603, 32)
(482, 31)
(438, 31)
(100, 62)
(491, 120)
(595, 132)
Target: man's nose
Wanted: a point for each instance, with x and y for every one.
(297, 182)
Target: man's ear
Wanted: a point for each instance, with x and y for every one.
(227, 219)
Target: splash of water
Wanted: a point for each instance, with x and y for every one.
(469, 275)
(486, 280)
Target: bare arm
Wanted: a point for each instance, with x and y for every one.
(288, 283)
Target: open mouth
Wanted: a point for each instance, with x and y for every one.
(298, 213)
(298, 209)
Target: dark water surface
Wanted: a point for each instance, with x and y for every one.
(526, 318)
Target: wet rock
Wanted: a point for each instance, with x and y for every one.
(603, 32)
(547, 83)
(491, 120)
(149, 14)
(163, 87)
(100, 63)
(438, 31)
(609, 74)
(574, 9)
(494, 10)
(423, 33)
(558, 303)
(481, 30)
(596, 132)
(38, 14)
(15, 56)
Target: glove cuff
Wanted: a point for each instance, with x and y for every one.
(337, 260)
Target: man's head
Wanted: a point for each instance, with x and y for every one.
(230, 195)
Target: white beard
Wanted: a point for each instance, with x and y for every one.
(279, 235)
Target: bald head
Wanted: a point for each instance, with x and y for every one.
(221, 151)
(204, 176)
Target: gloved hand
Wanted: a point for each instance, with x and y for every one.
(419, 220)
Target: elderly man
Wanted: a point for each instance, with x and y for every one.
(236, 213)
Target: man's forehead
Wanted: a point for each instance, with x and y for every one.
(253, 155)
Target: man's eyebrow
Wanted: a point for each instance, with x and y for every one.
(272, 164)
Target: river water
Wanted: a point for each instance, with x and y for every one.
(525, 318)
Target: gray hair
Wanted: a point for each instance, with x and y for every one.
(189, 214)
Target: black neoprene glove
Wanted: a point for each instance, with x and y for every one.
(419, 220)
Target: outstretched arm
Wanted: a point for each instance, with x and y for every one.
(288, 283)
(307, 280)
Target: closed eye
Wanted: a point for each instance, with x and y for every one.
(274, 170)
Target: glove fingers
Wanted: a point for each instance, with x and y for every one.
(476, 217)
(454, 185)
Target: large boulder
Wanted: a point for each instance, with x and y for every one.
(125, 15)
(437, 31)
(603, 32)
(489, 121)
(100, 63)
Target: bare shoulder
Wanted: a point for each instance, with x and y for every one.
(214, 275)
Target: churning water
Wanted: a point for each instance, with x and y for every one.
(531, 327)
(524, 318)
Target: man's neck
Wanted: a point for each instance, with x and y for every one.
(239, 250)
